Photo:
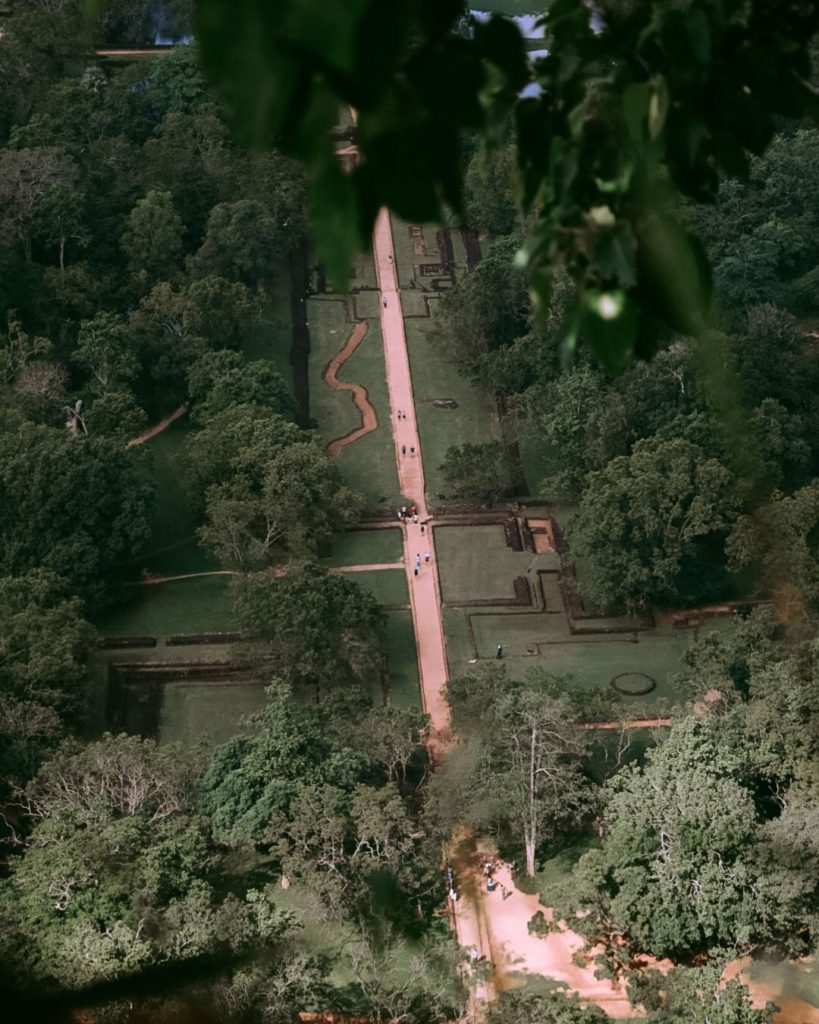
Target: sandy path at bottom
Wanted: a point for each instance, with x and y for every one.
(508, 944)
(369, 420)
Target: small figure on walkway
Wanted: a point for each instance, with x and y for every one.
(453, 895)
(491, 884)
(499, 652)
(404, 511)
(505, 893)
(422, 527)
(412, 450)
(415, 518)
(385, 303)
(399, 414)
(403, 449)
(474, 954)
(415, 572)
(413, 510)
(427, 556)
(400, 517)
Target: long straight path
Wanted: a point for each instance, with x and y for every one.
(418, 542)
(425, 600)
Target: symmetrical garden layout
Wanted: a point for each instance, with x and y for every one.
(459, 585)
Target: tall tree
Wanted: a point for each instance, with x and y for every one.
(318, 628)
(652, 525)
(530, 752)
(27, 176)
(76, 506)
(105, 349)
(243, 242)
(152, 239)
(224, 378)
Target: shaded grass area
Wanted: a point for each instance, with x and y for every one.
(402, 660)
(211, 711)
(388, 586)
(366, 547)
(534, 465)
(368, 464)
(556, 863)
(476, 564)
(173, 547)
(272, 336)
(200, 605)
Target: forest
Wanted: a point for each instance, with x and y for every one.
(148, 259)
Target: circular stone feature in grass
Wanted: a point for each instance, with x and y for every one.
(633, 684)
(444, 403)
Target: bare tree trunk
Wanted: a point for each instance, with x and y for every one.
(530, 856)
(62, 254)
(531, 831)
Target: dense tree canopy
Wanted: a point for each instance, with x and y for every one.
(316, 626)
(646, 521)
(75, 505)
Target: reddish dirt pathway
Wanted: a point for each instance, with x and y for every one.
(162, 425)
(369, 420)
(470, 925)
(423, 586)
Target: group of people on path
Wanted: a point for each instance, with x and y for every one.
(427, 558)
(488, 869)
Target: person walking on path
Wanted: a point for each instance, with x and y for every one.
(499, 652)
(427, 557)
(403, 449)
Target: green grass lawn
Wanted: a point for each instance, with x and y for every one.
(200, 605)
(475, 563)
(402, 660)
(388, 586)
(368, 464)
(366, 547)
(211, 711)
(588, 661)
(435, 376)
